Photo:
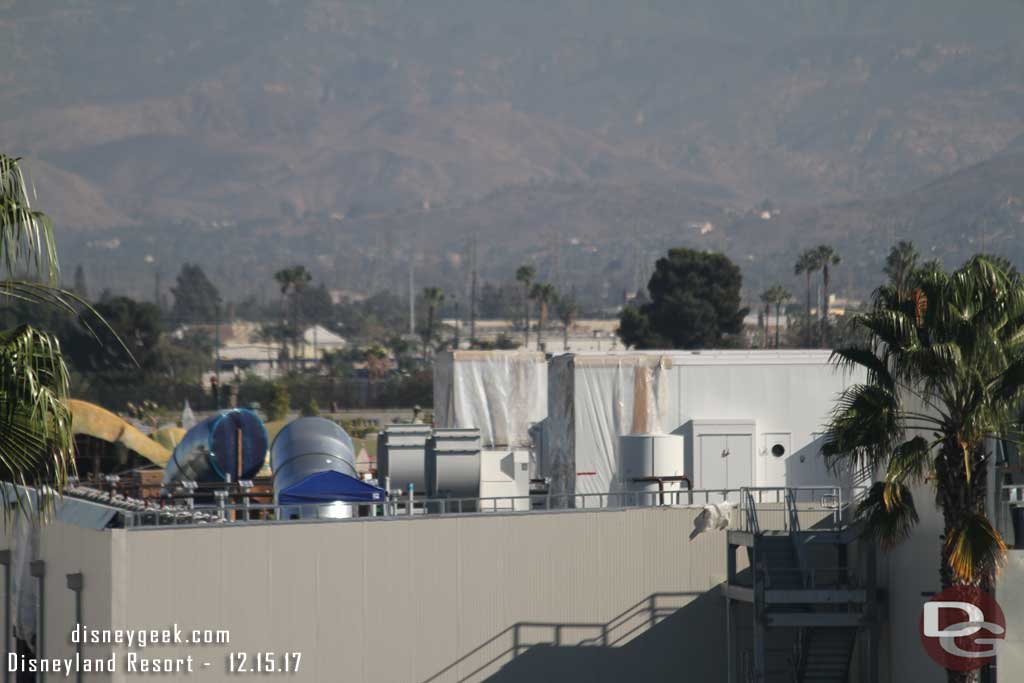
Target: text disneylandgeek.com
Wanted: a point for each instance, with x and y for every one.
(131, 661)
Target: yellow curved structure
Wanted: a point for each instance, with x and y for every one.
(91, 420)
(168, 437)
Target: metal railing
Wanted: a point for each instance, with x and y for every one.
(816, 578)
(402, 506)
(772, 508)
(778, 508)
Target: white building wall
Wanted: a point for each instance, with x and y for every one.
(592, 399)
(1010, 594)
(597, 596)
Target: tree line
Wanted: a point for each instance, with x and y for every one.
(693, 300)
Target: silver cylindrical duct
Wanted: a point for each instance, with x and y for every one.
(306, 447)
(230, 445)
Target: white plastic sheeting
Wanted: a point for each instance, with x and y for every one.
(501, 393)
(595, 398)
(599, 398)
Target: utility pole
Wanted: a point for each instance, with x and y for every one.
(156, 288)
(472, 296)
(458, 325)
(412, 301)
(216, 362)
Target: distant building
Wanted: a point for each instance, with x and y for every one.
(243, 350)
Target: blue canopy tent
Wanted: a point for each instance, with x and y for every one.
(329, 487)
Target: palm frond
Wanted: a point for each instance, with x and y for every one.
(854, 356)
(975, 549)
(910, 461)
(888, 513)
(26, 235)
(894, 328)
(36, 443)
(866, 420)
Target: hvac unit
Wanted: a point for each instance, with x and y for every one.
(505, 474)
(402, 456)
(652, 466)
(453, 463)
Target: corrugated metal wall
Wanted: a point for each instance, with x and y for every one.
(594, 596)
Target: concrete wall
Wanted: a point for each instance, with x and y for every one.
(596, 596)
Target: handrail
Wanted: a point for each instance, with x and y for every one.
(794, 527)
(753, 525)
(402, 506)
(799, 654)
(750, 500)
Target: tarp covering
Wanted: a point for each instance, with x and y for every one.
(596, 397)
(501, 393)
(604, 396)
(329, 487)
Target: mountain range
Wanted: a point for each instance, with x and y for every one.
(367, 137)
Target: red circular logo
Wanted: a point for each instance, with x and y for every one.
(961, 628)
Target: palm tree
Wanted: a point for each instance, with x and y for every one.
(945, 372)
(433, 297)
(524, 276)
(292, 282)
(807, 264)
(544, 294)
(827, 256)
(900, 264)
(764, 315)
(36, 443)
(567, 312)
(776, 295)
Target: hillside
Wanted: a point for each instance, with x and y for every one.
(603, 239)
(247, 119)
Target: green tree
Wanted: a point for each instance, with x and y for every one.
(433, 297)
(776, 295)
(196, 300)
(292, 283)
(827, 257)
(945, 372)
(279, 402)
(36, 444)
(900, 264)
(694, 303)
(525, 275)
(310, 408)
(808, 263)
(544, 294)
(135, 324)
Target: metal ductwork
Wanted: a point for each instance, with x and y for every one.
(229, 446)
(313, 461)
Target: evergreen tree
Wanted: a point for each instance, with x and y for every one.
(195, 297)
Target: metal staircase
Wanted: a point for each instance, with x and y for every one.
(826, 655)
(799, 589)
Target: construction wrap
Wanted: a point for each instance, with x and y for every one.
(768, 407)
(604, 396)
(501, 393)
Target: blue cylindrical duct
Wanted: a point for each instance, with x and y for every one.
(231, 444)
